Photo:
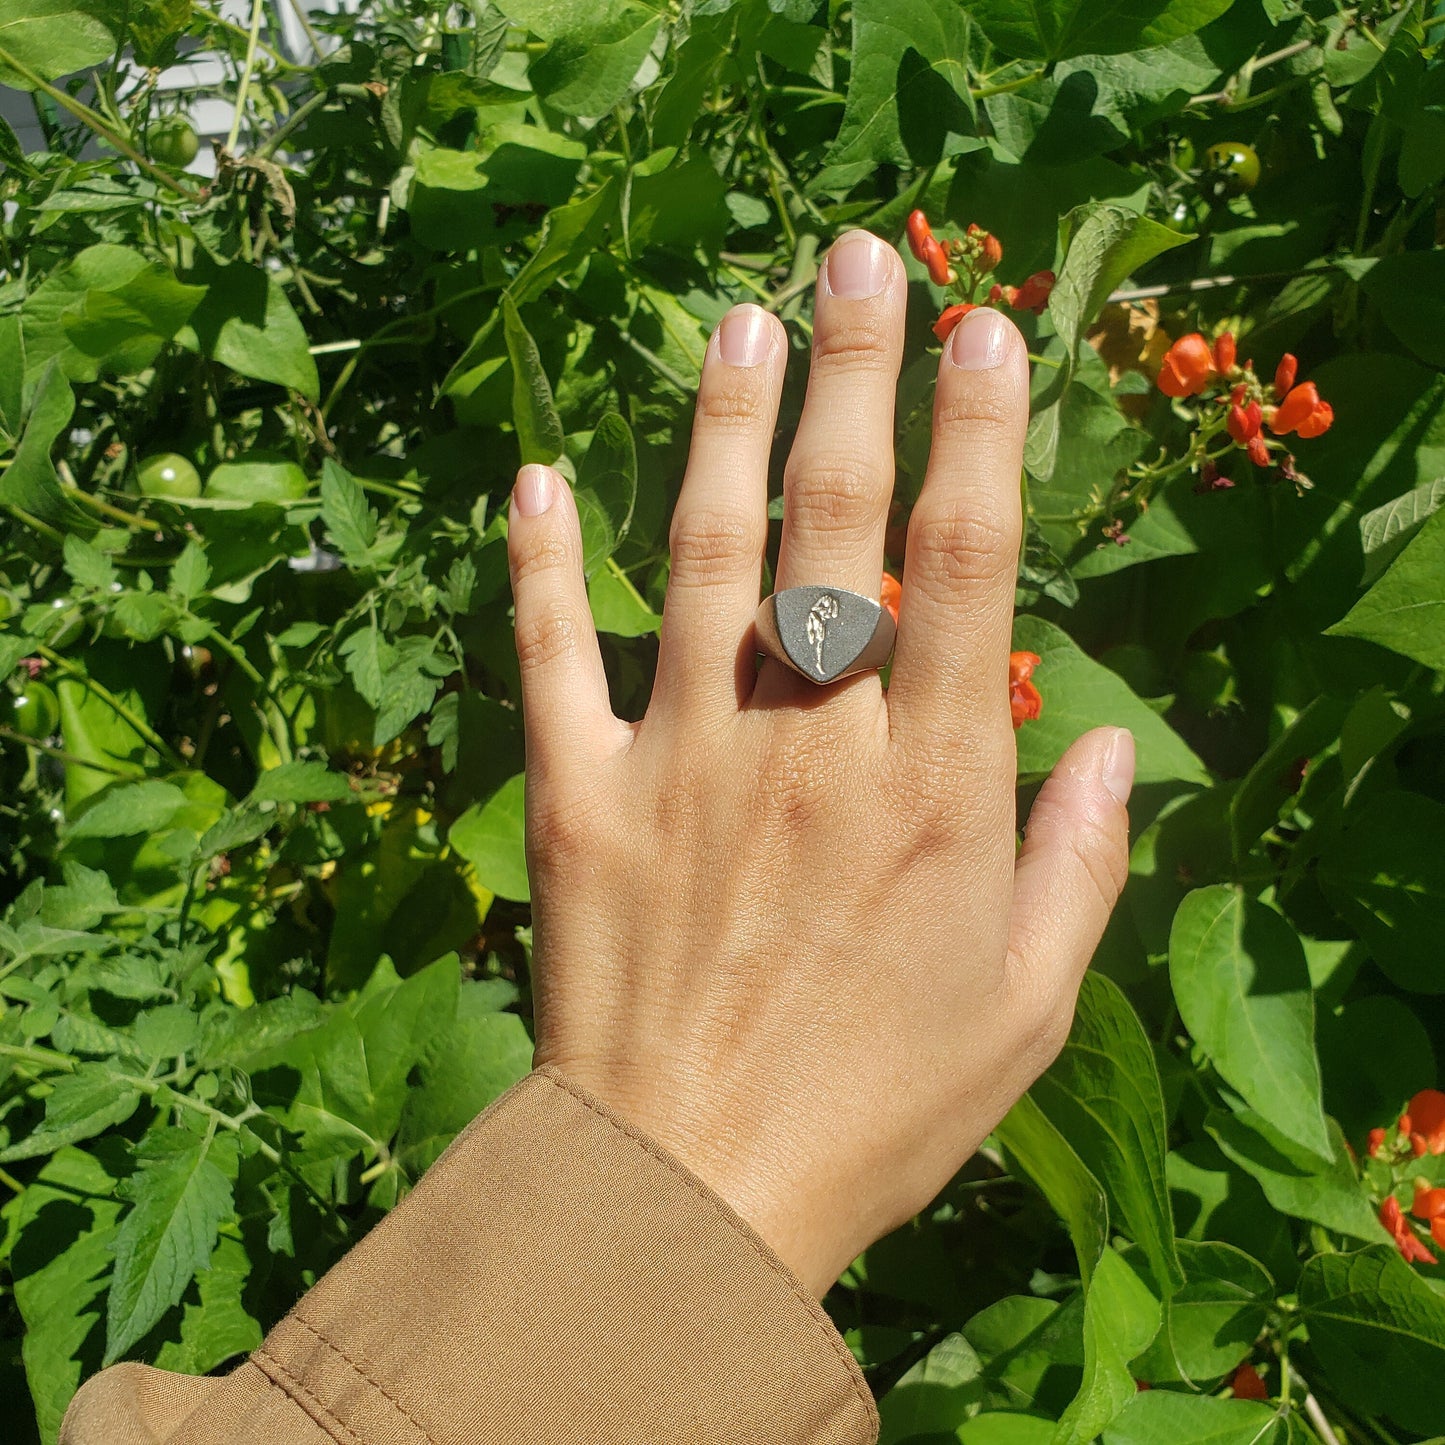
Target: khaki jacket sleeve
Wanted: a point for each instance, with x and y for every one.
(556, 1276)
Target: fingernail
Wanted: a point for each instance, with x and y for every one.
(980, 340)
(742, 339)
(857, 266)
(1119, 765)
(536, 486)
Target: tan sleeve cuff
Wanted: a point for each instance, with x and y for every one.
(556, 1276)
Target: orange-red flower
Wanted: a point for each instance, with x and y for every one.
(1024, 699)
(919, 231)
(1242, 423)
(936, 259)
(1406, 1240)
(1247, 1385)
(1427, 1119)
(1033, 295)
(1429, 1202)
(1258, 450)
(992, 252)
(1437, 1230)
(1224, 352)
(1187, 366)
(1284, 375)
(1376, 1143)
(1302, 411)
(890, 594)
(943, 327)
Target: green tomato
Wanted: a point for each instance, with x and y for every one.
(261, 478)
(1184, 156)
(173, 141)
(1236, 163)
(168, 474)
(31, 709)
(72, 622)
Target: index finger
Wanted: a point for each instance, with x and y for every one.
(949, 685)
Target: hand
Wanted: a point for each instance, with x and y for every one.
(785, 929)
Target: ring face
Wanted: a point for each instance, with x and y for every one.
(824, 633)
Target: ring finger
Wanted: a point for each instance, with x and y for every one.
(839, 478)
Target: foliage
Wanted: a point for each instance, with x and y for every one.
(266, 941)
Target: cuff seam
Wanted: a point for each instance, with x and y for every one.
(280, 1378)
(827, 1330)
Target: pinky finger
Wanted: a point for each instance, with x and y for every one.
(566, 711)
(1071, 868)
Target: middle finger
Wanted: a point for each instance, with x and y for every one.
(839, 478)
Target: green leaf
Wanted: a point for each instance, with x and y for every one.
(491, 837)
(908, 96)
(1080, 694)
(1104, 1096)
(1164, 1415)
(1056, 29)
(1212, 1322)
(190, 572)
(1294, 1180)
(1121, 1317)
(1385, 531)
(934, 1395)
(363, 654)
(30, 483)
(483, 1054)
(1409, 289)
(124, 327)
(587, 72)
(80, 1106)
(89, 568)
(216, 1326)
(606, 490)
(51, 38)
(1040, 1149)
(1379, 1332)
(1405, 609)
(245, 322)
(1385, 874)
(63, 1222)
(301, 782)
(617, 606)
(126, 809)
(534, 414)
(350, 522)
(179, 1196)
(1243, 989)
(1104, 244)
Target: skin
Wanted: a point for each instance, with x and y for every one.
(788, 930)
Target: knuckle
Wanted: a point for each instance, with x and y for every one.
(567, 826)
(1101, 859)
(535, 555)
(833, 493)
(708, 545)
(728, 406)
(853, 346)
(547, 638)
(960, 547)
(976, 410)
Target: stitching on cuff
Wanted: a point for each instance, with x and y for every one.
(301, 1397)
(358, 1367)
(731, 1217)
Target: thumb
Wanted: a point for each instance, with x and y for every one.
(1073, 863)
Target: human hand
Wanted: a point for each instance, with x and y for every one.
(783, 929)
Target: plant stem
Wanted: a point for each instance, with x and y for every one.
(983, 92)
(128, 771)
(97, 123)
(257, 10)
(120, 709)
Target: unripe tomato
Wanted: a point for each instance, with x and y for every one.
(1184, 156)
(31, 709)
(168, 474)
(1236, 163)
(173, 141)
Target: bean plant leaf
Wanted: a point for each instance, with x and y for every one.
(1104, 1096)
(49, 38)
(1405, 609)
(606, 490)
(178, 1199)
(1243, 989)
(1379, 1332)
(1385, 873)
(1386, 530)
(1158, 1415)
(1080, 694)
(1057, 29)
(587, 72)
(908, 93)
(534, 413)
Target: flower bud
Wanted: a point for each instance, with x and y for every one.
(992, 251)
(1284, 375)
(1224, 353)
(919, 233)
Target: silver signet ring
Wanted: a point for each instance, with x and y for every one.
(824, 633)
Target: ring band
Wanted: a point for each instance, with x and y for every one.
(824, 633)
